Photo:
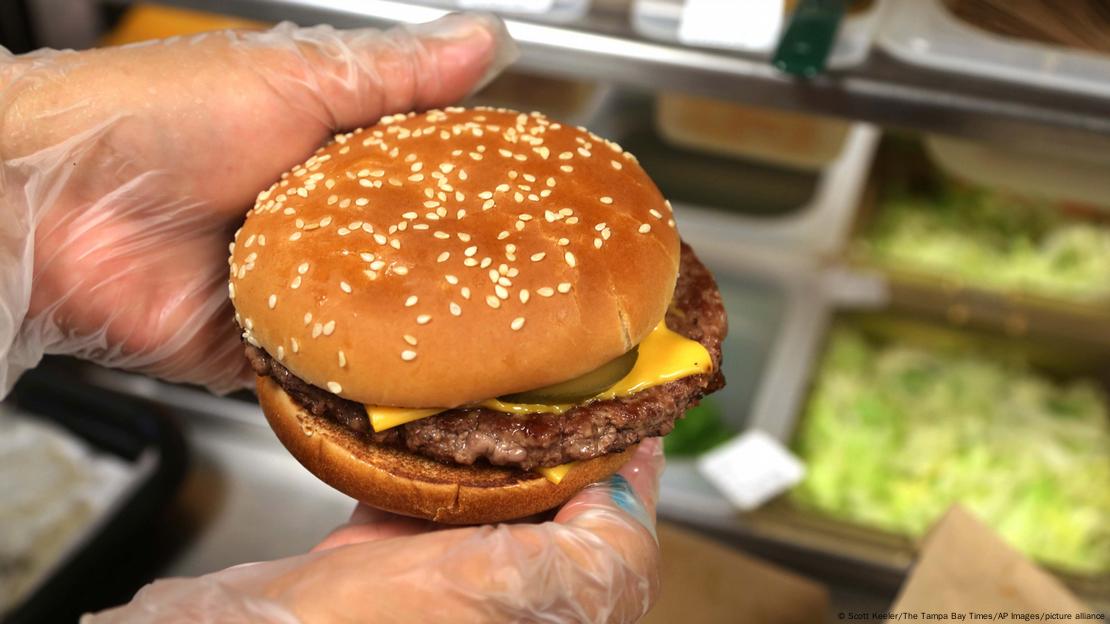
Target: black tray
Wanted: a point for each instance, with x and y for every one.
(101, 570)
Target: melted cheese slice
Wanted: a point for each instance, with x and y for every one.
(555, 474)
(664, 356)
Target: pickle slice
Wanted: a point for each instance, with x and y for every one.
(580, 388)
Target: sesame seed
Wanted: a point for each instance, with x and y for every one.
(493, 302)
(524, 295)
(597, 243)
(536, 257)
(342, 359)
(502, 292)
(644, 228)
(280, 353)
(443, 257)
(408, 355)
(423, 319)
(455, 309)
(451, 279)
(334, 387)
(303, 268)
(563, 287)
(295, 345)
(566, 168)
(411, 301)
(272, 302)
(607, 200)
(517, 323)
(345, 287)
(296, 283)
(616, 165)
(307, 318)
(465, 292)
(470, 251)
(655, 213)
(569, 257)
(329, 328)
(401, 270)
(410, 339)
(545, 291)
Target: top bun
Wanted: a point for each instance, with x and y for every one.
(448, 257)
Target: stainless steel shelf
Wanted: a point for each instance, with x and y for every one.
(882, 90)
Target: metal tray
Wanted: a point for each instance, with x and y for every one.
(1014, 312)
(88, 573)
(747, 202)
(889, 555)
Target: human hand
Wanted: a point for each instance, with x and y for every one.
(596, 562)
(125, 171)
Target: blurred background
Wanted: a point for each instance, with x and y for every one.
(906, 204)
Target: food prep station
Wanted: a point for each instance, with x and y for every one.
(935, 210)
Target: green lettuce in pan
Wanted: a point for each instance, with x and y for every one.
(927, 223)
(893, 435)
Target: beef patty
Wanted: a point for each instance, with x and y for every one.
(466, 435)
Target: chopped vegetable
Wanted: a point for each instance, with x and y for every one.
(893, 435)
(986, 238)
(701, 430)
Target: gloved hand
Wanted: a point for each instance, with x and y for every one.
(597, 562)
(126, 170)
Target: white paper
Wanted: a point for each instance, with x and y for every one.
(751, 469)
(509, 6)
(751, 25)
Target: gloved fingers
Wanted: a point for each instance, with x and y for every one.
(633, 490)
(355, 76)
(596, 564)
(126, 169)
(368, 524)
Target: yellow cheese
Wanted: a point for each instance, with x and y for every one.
(382, 418)
(664, 356)
(555, 474)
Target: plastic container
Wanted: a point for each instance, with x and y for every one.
(776, 137)
(719, 26)
(1016, 305)
(554, 11)
(785, 522)
(150, 449)
(571, 102)
(746, 201)
(1073, 176)
(924, 32)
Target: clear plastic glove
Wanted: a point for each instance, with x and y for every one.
(126, 170)
(596, 562)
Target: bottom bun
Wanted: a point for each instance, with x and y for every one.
(396, 480)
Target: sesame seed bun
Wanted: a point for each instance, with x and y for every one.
(447, 257)
(405, 483)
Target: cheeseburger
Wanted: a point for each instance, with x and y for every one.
(467, 315)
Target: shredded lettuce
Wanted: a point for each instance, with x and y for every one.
(893, 435)
(989, 239)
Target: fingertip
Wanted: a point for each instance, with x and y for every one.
(644, 470)
(466, 50)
